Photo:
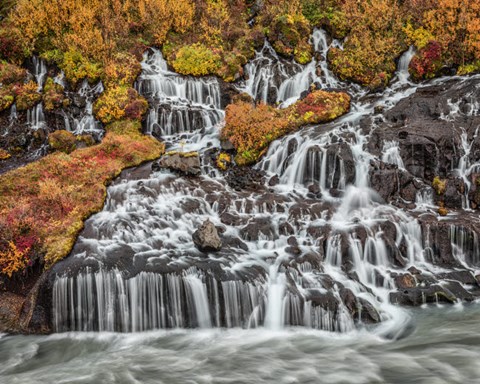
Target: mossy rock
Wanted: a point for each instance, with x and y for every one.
(62, 141)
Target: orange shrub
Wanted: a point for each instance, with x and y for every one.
(252, 128)
(43, 205)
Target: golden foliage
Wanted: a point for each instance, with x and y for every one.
(13, 260)
(252, 128)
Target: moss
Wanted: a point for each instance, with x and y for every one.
(182, 154)
(63, 141)
(439, 185)
(442, 211)
(224, 160)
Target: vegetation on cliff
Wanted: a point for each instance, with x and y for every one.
(43, 205)
(251, 128)
(217, 37)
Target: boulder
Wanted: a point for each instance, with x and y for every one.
(206, 238)
(185, 163)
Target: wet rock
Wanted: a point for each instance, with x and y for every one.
(240, 178)
(206, 238)
(256, 228)
(464, 277)
(274, 180)
(187, 164)
(293, 247)
(314, 191)
(368, 313)
(414, 271)
(285, 229)
(405, 281)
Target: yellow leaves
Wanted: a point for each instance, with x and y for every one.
(13, 260)
(4, 155)
(197, 60)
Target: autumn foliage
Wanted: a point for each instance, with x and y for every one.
(251, 128)
(43, 205)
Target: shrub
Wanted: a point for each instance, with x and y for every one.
(77, 67)
(53, 96)
(319, 107)
(63, 141)
(439, 185)
(6, 98)
(252, 128)
(10, 73)
(43, 205)
(427, 62)
(197, 60)
(27, 96)
(118, 103)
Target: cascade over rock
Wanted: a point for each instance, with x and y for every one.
(337, 226)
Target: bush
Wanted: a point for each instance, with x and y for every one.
(118, 103)
(197, 60)
(43, 205)
(53, 96)
(11, 74)
(77, 67)
(426, 63)
(252, 128)
(27, 96)
(439, 185)
(6, 98)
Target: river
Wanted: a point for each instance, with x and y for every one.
(442, 345)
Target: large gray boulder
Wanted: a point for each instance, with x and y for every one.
(206, 238)
(186, 163)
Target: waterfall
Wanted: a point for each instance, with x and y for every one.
(391, 154)
(35, 117)
(84, 122)
(317, 248)
(271, 79)
(39, 71)
(179, 104)
(403, 63)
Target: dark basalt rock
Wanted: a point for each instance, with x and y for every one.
(206, 238)
(187, 164)
(240, 178)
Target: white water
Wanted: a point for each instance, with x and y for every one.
(147, 224)
(184, 107)
(270, 78)
(85, 122)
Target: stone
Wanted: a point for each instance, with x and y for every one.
(185, 163)
(206, 238)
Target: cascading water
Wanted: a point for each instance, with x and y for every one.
(271, 79)
(84, 122)
(182, 107)
(319, 249)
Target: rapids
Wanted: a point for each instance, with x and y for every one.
(443, 348)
